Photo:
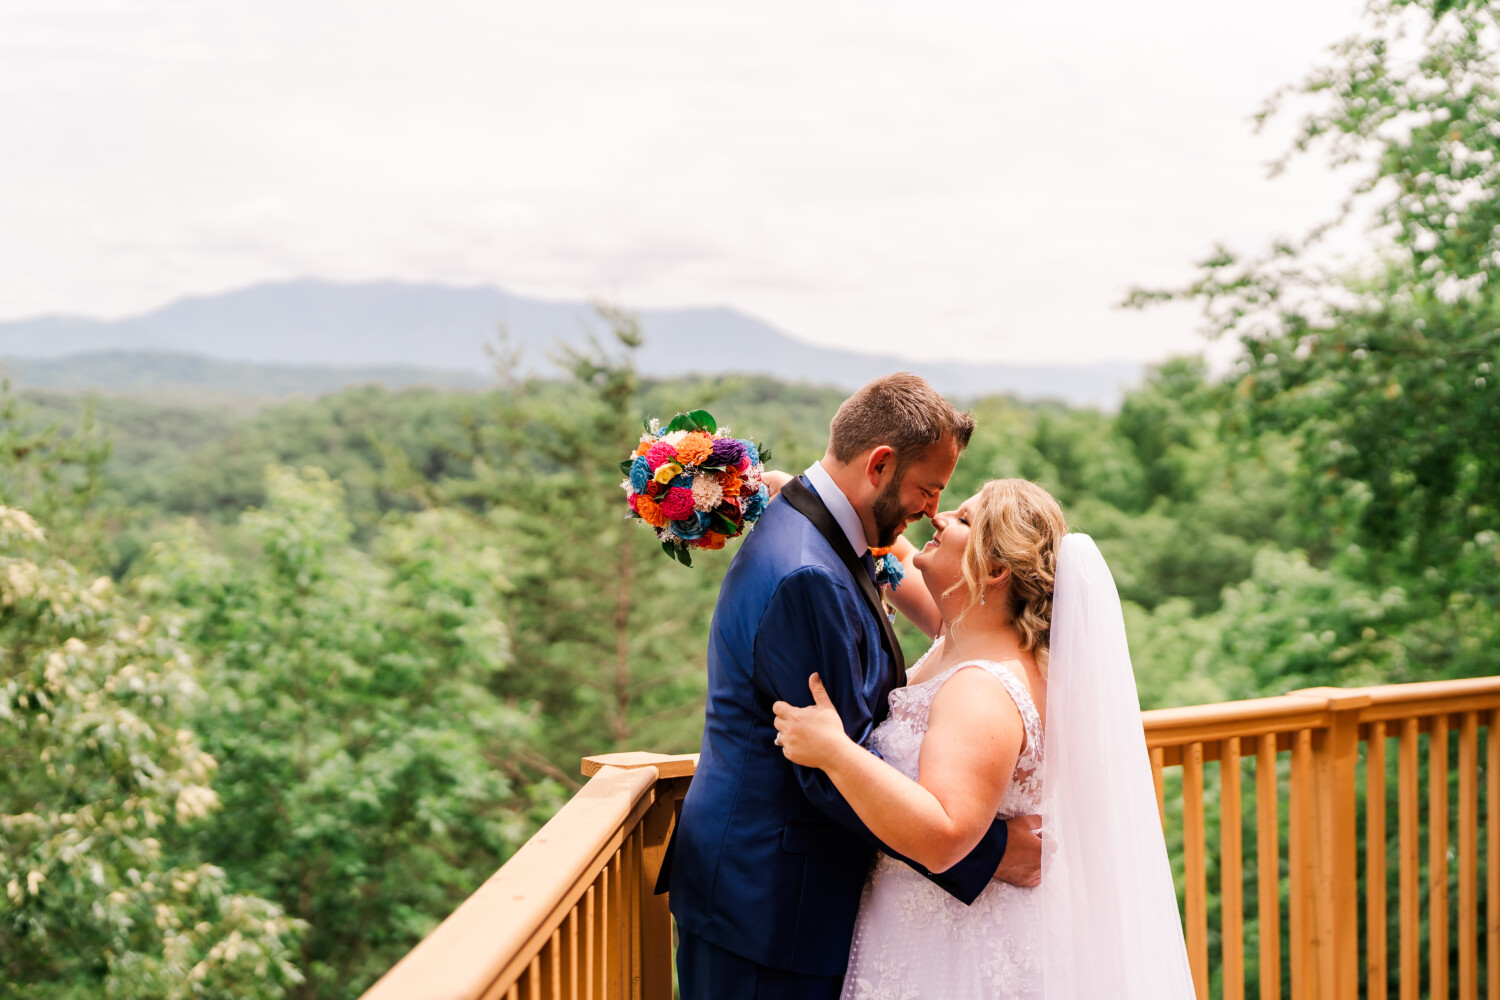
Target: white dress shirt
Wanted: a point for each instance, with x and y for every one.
(839, 506)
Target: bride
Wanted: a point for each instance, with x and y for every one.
(1030, 666)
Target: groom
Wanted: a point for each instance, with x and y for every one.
(768, 861)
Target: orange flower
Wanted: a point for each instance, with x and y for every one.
(644, 447)
(732, 483)
(713, 540)
(649, 510)
(694, 448)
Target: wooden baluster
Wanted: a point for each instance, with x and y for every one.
(1437, 857)
(631, 855)
(1231, 871)
(534, 978)
(551, 956)
(1302, 843)
(1195, 866)
(614, 987)
(570, 943)
(1411, 970)
(1492, 854)
(593, 968)
(1377, 969)
(1158, 758)
(1468, 856)
(1268, 865)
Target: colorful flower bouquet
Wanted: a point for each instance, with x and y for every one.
(694, 484)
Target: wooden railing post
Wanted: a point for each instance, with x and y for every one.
(655, 943)
(1333, 891)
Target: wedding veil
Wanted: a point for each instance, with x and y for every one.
(1109, 910)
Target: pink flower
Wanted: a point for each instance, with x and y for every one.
(678, 503)
(660, 454)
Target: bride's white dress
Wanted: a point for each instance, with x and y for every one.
(913, 940)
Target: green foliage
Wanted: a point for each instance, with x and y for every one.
(100, 787)
(1383, 374)
(55, 476)
(608, 636)
(350, 707)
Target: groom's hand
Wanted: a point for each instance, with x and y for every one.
(1022, 863)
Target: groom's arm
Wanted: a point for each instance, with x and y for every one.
(812, 625)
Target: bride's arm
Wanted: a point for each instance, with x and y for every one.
(912, 598)
(973, 739)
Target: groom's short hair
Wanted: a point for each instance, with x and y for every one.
(902, 411)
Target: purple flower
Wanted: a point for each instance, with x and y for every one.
(727, 452)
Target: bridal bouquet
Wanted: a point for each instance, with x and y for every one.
(694, 484)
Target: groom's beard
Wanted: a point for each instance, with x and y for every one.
(889, 515)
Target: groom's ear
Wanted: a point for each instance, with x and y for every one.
(880, 463)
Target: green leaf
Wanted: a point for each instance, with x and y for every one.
(646, 424)
(722, 524)
(681, 422)
(625, 465)
(704, 420)
(764, 452)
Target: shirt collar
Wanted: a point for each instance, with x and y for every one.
(839, 506)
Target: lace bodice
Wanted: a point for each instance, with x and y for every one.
(913, 940)
(899, 737)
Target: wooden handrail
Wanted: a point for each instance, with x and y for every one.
(511, 927)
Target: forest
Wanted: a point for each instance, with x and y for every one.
(279, 688)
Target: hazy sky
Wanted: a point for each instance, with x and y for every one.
(951, 178)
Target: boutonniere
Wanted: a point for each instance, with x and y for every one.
(888, 576)
(888, 569)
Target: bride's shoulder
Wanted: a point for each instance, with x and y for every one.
(973, 693)
(968, 676)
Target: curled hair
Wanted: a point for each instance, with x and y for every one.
(901, 411)
(1015, 524)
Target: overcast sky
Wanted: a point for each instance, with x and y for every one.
(954, 179)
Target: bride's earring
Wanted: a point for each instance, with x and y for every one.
(981, 597)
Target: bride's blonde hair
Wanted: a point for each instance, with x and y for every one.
(1016, 524)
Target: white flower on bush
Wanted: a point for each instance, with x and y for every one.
(16, 523)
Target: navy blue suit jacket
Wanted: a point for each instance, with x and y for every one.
(768, 860)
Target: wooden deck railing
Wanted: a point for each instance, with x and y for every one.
(1308, 776)
(1320, 758)
(572, 913)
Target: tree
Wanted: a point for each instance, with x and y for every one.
(1383, 372)
(100, 786)
(607, 632)
(350, 706)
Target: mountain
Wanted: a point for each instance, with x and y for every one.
(193, 377)
(352, 331)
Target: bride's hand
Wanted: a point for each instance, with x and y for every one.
(775, 479)
(811, 736)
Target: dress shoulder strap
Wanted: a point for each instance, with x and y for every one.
(1014, 686)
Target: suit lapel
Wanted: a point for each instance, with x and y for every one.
(809, 505)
